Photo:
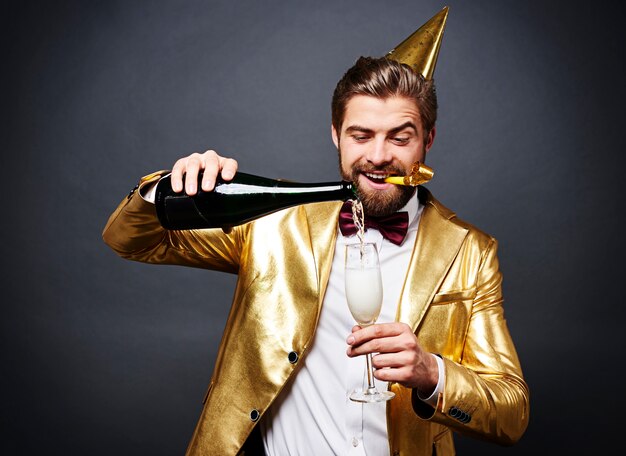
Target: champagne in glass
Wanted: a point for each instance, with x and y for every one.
(364, 294)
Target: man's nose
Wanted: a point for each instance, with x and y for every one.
(379, 153)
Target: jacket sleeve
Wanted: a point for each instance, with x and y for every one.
(133, 231)
(485, 394)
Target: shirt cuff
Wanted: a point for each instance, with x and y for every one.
(441, 381)
(148, 191)
(147, 185)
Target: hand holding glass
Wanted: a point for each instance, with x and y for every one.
(364, 293)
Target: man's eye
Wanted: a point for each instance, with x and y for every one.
(359, 138)
(400, 140)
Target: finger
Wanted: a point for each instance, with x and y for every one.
(176, 178)
(394, 360)
(376, 331)
(403, 375)
(378, 345)
(371, 346)
(193, 167)
(211, 169)
(394, 344)
(229, 168)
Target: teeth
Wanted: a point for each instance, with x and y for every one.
(377, 176)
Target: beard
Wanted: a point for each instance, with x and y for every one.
(378, 203)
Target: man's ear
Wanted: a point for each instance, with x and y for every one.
(335, 136)
(430, 139)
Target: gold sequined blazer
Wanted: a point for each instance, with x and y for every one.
(451, 298)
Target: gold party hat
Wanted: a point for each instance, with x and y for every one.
(420, 50)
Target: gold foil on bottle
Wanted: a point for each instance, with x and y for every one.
(420, 174)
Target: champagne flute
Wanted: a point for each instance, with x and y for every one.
(364, 294)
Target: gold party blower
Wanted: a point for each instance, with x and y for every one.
(420, 174)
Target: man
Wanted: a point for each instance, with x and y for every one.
(282, 376)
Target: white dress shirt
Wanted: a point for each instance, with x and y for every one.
(314, 414)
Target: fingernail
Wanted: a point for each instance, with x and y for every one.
(350, 340)
(227, 175)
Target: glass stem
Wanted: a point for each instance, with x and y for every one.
(371, 387)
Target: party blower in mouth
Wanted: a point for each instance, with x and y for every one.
(420, 174)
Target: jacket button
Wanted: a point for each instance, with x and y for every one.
(454, 412)
(292, 357)
(255, 415)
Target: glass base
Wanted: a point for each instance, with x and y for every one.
(371, 396)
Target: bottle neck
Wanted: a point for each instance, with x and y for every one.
(350, 190)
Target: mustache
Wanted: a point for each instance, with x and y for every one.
(387, 169)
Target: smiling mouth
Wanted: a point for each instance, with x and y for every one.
(380, 178)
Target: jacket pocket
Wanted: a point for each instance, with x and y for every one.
(449, 297)
(444, 327)
(443, 445)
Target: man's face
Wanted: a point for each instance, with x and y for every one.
(380, 138)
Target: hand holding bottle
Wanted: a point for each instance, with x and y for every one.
(210, 163)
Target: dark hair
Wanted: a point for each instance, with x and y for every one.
(384, 78)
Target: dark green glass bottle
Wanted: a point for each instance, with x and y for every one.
(246, 197)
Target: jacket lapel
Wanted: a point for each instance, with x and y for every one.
(438, 242)
(322, 219)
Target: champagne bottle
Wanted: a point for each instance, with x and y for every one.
(246, 197)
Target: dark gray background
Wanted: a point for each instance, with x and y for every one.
(103, 356)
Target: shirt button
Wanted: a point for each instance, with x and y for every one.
(355, 442)
(293, 357)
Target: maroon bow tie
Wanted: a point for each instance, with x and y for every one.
(393, 227)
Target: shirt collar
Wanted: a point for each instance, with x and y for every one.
(413, 208)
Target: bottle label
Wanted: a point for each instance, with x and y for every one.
(245, 189)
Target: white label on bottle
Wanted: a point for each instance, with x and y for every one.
(244, 189)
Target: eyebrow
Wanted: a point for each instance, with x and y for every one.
(353, 128)
(393, 131)
(405, 125)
